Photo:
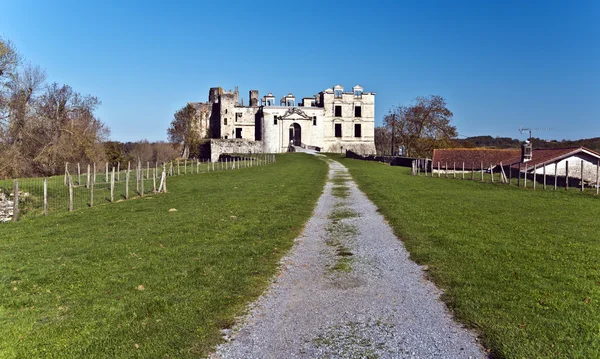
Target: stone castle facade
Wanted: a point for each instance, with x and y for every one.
(331, 121)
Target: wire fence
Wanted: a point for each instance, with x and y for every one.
(89, 185)
(581, 175)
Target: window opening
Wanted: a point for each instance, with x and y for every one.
(338, 130)
(338, 111)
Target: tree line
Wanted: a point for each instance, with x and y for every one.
(42, 125)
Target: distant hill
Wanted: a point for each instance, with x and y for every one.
(506, 142)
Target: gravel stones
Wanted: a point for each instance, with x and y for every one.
(348, 290)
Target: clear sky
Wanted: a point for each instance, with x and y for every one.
(499, 64)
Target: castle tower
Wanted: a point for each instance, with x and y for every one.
(253, 98)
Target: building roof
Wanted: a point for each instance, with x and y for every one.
(542, 156)
(472, 157)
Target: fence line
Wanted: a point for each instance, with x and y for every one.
(76, 189)
(574, 177)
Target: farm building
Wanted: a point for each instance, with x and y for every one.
(562, 162)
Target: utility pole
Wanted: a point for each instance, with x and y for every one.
(393, 131)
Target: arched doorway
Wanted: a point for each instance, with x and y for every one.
(295, 134)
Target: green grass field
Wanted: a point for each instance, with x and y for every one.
(31, 203)
(522, 267)
(134, 279)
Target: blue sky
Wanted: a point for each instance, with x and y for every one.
(499, 64)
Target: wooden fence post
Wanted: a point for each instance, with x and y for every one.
(567, 175)
(525, 177)
(581, 175)
(112, 186)
(482, 171)
(534, 175)
(492, 172)
(453, 169)
(106, 178)
(46, 196)
(142, 184)
(555, 175)
(16, 201)
(127, 184)
(87, 181)
(92, 191)
(78, 174)
(472, 171)
(94, 175)
(70, 194)
(439, 170)
(154, 180)
(463, 170)
(597, 177)
(66, 172)
(519, 178)
(137, 178)
(147, 169)
(544, 169)
(178, 173)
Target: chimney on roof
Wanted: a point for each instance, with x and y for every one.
(526, 152)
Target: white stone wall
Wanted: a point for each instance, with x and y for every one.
(362, 145)
(275, 137)
(589, 167)
(234, 146)
(244, 118)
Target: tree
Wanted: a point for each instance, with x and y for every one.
(184, 130)
(40, 132)
(422, 126)
(383, 140)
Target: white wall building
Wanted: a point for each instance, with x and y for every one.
(331, 121)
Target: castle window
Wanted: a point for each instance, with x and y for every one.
(275, 119)
(226, 111)
(357, 130)
(314, 120)
(338, 93)
(225, 119)
(358, 94)
(238, 115)
(238, 132)
(338, 111)
(357, 111)
(338, 130)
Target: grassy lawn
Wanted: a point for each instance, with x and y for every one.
(520, 266)
(32, 201)
(134, 279)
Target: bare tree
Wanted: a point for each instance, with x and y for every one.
(383, 140)
(184, 130)
(423, 126)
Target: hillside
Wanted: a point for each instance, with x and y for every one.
(506, 142)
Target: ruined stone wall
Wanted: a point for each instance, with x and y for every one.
(233, 146)
(6, 208)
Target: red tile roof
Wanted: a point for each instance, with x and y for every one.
(472, 157)
(541, 156)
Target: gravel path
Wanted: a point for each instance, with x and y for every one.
(348, 290)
